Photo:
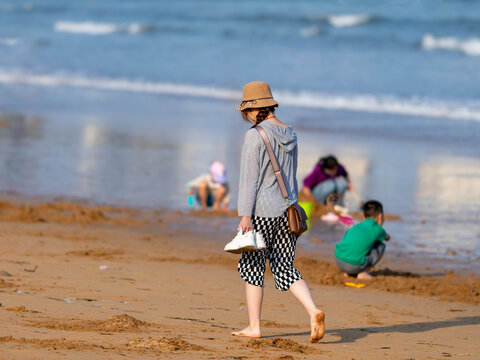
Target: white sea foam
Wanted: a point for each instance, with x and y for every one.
(8, 41)
(470, 46)
(118, 84)
(384, 104)
(92, 28)
(362, 103)
(348, 20)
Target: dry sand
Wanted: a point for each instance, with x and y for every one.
(82, 281)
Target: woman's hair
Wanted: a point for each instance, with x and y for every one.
(262, 114)
(329, 162)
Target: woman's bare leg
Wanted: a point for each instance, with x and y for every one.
(254, 305)
(317, 317)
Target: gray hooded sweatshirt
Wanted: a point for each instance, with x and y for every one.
(259, 193)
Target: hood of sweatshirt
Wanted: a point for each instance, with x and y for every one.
(285, 137)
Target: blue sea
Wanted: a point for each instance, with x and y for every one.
(125, 101)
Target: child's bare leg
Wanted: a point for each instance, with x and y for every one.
(364, 276)
(373, 257)
(254, 305)
(203, 194)
(219, 195)
(317, 317)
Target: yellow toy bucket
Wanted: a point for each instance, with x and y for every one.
(308, 207)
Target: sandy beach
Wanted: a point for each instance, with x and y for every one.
(89, 281)
(109, 109)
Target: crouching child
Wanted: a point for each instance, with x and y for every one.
(363, 245)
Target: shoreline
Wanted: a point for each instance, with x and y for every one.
(215, 225)
(63, 152)
(319, 241)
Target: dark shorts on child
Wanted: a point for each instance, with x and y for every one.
(210, 199)
(371, 259)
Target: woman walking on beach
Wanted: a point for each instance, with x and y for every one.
(263, 208)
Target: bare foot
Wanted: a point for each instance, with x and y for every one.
(318, 326)
(247, 333)
(364, 276)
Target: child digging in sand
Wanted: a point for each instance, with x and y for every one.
(362, 246)
(211, 189)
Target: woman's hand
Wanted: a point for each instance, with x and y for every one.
(245, 224)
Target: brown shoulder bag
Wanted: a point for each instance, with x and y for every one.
(297, 218)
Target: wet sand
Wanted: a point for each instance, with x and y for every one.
(80, 280)
(432, 183)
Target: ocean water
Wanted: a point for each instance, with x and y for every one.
(124, 101)
(407, 57)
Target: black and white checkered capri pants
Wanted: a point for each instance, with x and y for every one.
(280, 253)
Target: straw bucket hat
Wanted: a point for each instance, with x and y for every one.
(256, 94)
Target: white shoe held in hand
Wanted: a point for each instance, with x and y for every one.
(241, 242)
(260, 242)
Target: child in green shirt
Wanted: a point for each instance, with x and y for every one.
(362, 246)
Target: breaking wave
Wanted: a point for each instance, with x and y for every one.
(363, 103)
(349, 20)
(93, 28)
(339, 21)
(469, 47)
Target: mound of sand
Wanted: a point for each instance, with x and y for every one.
(6, 284)
(21, 309)
(282, 344)
(52, 344)
(163, 344)
(117, 323)
(50, 212)
(448, 287)
(66, 213)
(136, 345)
